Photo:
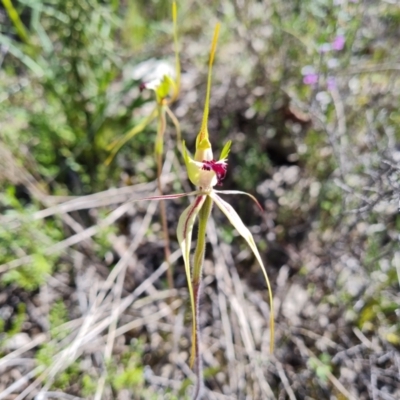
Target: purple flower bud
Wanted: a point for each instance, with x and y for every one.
(310, 79)
(338, 43)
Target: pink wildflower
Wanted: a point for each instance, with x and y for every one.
(338, 43)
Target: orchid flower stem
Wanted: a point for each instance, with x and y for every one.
(163, 208)
(198, 260)
(176, 49)
(204, 214)
(177, 127)
(164, 222)
(167, 250)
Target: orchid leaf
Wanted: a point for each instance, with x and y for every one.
(236, 221)
(225, 151)
(184, 233)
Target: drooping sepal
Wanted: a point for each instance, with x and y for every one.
(236, 221)
(184, 234)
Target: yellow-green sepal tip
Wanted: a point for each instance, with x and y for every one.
(225, 151)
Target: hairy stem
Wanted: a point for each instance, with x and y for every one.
(198, 260)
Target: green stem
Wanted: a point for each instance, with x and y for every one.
(163, 209)
(198, 260)
(176, 49)
(16, 20)
(164, 222)
(177, 127)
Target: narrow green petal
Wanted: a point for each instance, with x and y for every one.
(240, 192)
(184, 233)
(166, 196)
(225, 151)
(185, 153)
(193, 169)
(236, 221)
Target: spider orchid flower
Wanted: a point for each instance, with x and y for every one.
(166, 88)
(206, 173)
(165, 83)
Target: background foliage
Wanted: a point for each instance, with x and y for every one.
(309, 94)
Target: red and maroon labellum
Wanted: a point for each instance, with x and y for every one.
(219, 167)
